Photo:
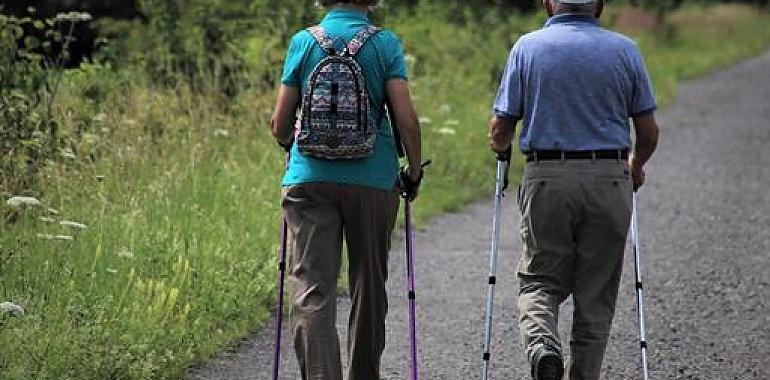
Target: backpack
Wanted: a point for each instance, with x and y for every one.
(337, 122)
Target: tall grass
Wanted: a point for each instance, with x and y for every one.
(178, 190)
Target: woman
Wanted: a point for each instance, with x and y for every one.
(328, 199)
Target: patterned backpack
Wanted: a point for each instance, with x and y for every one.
(337, 121)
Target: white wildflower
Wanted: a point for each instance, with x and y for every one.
(74, 16)
(69, 223)
(53, 211)
(447, 131)
(67, 153)
(12, 309)
(221, 133)
(445, 108)
(23, 201)
(113, 271)
(426, 120)
(47, 219)
(55, 237)
(91, 138)
(410, 59)
(126, 253)
(99, 118)
(452, 123)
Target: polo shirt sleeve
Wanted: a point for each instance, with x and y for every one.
(509, 102)
(643, 95)
(395, 61)
(292, 67)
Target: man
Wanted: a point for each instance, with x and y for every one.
(574, 86)
(326, 200)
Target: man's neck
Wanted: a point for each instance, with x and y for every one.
(567, 12)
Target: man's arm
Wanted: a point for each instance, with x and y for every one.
(282, 122)
(646, 141)
(501, 133)
(407, 123)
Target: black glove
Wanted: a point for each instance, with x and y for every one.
(409, 188)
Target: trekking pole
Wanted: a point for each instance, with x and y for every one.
(279, 307)
(279, 303)
(410, 279)
(503, 162)
(410, 283)
(638, 285)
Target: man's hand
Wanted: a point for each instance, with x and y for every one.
(638, 175)
(501, 132)
(646, 140)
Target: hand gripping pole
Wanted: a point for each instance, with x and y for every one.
(502, 168)
(639, 288)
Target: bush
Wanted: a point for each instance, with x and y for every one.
(28, 86)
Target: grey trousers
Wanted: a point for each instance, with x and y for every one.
(575, 219)
(319, 216)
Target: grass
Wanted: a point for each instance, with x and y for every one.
(181, 198)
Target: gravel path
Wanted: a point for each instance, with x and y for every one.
(704, 219)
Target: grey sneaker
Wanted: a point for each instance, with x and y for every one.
(547, 364)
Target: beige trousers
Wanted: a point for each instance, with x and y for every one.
(575, 219)
(319, 216)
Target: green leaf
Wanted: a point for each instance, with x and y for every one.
(31, 43)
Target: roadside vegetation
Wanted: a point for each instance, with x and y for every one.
(139, 197)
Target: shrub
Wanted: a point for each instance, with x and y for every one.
(28, 86)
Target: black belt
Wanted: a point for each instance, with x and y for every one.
(553, 155)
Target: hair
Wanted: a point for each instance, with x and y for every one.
(589, 8)
(328, 3)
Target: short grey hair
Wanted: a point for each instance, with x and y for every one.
(589, 8)
(328, 3)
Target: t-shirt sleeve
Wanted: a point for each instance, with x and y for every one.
(509, 102)
(293, 65)
(643, 95)
(395, 61)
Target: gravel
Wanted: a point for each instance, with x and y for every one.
(704, 218)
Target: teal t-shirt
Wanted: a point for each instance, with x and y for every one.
(381, 59)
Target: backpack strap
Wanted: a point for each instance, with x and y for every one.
(323, 39)
(360, 39)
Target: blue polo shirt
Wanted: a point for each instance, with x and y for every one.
(381, 59)
(574, 86)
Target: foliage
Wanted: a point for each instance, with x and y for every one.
(176, 185)
(28, 87)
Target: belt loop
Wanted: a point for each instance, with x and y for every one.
(563, 156)
(534, 152)
(620, 155)
(593, 156)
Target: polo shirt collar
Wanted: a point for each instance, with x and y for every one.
(346, 14)
(571, 18)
